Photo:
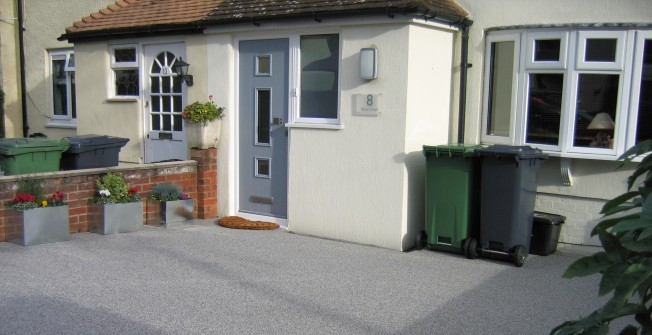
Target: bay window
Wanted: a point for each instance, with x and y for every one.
(572, 93)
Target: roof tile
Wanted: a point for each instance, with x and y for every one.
(124, 14)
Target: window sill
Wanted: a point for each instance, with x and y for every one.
(315, 126)
(122, 99)
(61, 125)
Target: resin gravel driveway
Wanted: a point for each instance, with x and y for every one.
(205, 279)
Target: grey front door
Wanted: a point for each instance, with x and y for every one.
(263, 141)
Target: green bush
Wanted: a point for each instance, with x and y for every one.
(626, 262)
(113, 189)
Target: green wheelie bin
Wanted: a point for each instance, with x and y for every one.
(452, 198)
(31, 155)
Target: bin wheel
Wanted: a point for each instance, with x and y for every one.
(422, 240)
(472, 249)
(519, 255)
(465, 247)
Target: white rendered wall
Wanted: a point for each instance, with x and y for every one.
(45, 21)
(359, 184)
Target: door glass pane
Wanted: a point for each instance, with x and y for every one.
(597, 100)
(176, 84)
(156, 122)
(167, 122)
(547, 50)
(178, 123)
(156, 85)
(644, 122)
(165, 85)
(156, 104)
(59, 87)
(262, 167)
(177, 104)
(501, 74)
(600, 50)
(319, 76)
(167, 104)
(263, 65)
(263, 112)
(544, 108)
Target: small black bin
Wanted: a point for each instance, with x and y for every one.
(545, 233)
(92, 151)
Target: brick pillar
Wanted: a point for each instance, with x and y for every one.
(206, 181)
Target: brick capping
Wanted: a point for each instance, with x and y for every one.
(79, 188)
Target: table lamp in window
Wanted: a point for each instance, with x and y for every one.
(604, 125)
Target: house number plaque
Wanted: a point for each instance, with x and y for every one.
(366, 104)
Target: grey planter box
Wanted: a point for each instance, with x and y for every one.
(39, 225)
(116, 218)
(175, 213)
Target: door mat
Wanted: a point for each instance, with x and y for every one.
(236, 222)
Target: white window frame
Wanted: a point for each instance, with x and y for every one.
(493, 38)
(135, 65)
(65, 55)
(296, 120)
(627, 65)
(637, 76)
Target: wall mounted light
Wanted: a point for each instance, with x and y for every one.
(368, 63)
(181, 69)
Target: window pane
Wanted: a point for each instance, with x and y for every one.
(501, 74)
(544, 108)
(319, 76)
(126, 82)
(59, 87)
(176, 84)
(644, 122)
(600, 50)
(177, 104)
(73, 95)
(156, 104)
(156, 122)
(166, 84)
(125, 55)
(178, 122)
(167, 122)
(263, 65)
(597, 100)
(167, 104)
(156, 85)
(547, 50)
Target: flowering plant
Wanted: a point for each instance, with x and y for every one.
(113, 189)
(25, 201)
(168, 192)
(202, 113)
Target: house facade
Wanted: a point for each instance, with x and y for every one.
(48, 69)
(328, 104)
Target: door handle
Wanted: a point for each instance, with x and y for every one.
(277, 121)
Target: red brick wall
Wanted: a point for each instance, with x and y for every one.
(194, 177)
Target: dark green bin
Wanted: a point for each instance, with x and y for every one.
(452, 198)
(30, 155)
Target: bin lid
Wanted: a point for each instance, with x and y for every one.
(518, 152)
(17, 146)
(466, 150)
(549, 218)
(93, 140)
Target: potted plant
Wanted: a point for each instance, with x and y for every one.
(36, 219)
(175, 206)
(202, 123)
(116, 208)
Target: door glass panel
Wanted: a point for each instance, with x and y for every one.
(156, 104)
(167, 122)
(547, 50)
(156, 122)
(597, 100)
(600, 50)
(176, 100)
(501, 74)
(156, 86)
(176, 84)
(262, 167)
(165, 85)
(263, 112)
(644, 121)
(544, 108)
(178, 123)
(263, 65)
(166, 105)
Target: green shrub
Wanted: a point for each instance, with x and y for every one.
(168, 192)
(113, 189)
(626, 262)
